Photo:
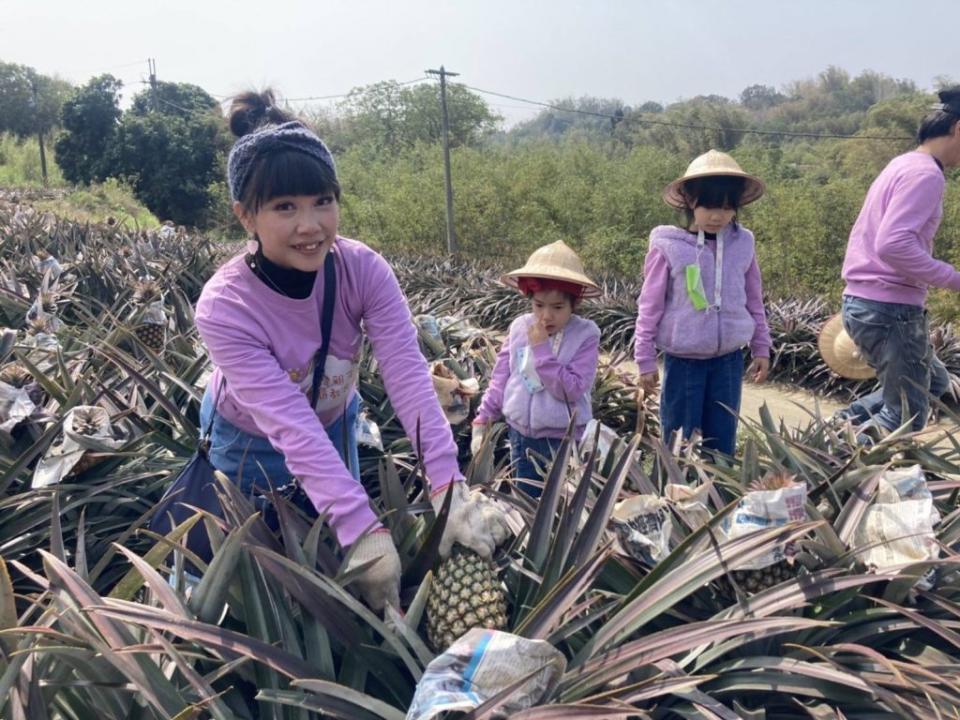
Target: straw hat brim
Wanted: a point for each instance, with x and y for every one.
(753, 187)
(590, 288)
(841, 353)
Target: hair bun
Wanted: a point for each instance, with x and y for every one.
(950, 96)
(251, 110)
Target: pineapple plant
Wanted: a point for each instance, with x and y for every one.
(466, 593)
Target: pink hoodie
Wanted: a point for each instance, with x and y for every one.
(890, 252)
(264, 342)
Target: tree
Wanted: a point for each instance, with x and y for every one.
(594, 116)
(171, 156)
(761, 97)
(16, 96)
(174, 99)
(388, 115)
(30, 104)
(90, 119)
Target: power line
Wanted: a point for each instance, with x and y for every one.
(346, 94)
(178, 107)
(689, 126)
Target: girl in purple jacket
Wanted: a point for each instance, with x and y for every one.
(545, 369)
(702, 303)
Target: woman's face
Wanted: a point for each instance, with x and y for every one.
(295, 231)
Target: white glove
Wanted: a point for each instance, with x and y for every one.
(474, 521)
(379, 584)
(477, 435)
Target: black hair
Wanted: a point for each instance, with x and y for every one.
(283, 172)
(939, 123)
(714, 191)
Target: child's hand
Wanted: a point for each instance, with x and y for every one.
(537, 332)
(649, 382)
(759, 369)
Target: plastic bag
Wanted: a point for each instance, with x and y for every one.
(62, 458)
(478, 666)
(643, 526)
(690, 503)
(760, 509)
(608, 437)
(16, 405)
(898, 527)
(368, 432)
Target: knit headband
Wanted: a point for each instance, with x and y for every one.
(272, 138)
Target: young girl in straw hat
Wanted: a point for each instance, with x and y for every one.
(545, 369)
(702, 303)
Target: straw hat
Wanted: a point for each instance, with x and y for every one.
(841, 353)
(711, 164)
(556, 261)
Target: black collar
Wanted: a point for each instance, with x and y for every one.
(296, 284)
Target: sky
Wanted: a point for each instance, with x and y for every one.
(535, 49)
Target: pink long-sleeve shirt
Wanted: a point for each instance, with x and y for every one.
(653, 302)
(263, 344)
(890, 252)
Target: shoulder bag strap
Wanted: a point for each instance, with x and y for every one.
(326, 322)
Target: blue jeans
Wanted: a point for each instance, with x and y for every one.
(252, 462)
(895, 341)
(545, 448)
(702, 395)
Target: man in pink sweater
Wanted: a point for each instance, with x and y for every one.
(888, 267)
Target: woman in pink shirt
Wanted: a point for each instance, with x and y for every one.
(888, 267)
(275, 416)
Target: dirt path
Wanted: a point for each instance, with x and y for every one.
(795, 406)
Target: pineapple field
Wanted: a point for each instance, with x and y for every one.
(806, 578)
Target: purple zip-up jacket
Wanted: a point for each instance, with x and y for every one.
(263, 343)
(567, 378)
(890, 252)
(666, 317)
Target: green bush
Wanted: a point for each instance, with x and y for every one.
(99, 202)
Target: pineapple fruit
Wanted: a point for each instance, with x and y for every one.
(466, 593)
(86, 421)
(151, 326)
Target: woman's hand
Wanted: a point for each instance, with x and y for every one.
(379, 583)
(474, 521)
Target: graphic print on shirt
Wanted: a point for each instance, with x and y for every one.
(339, 378)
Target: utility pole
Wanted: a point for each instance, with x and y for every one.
(36, 110)
(152, 67)
(451, 234)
